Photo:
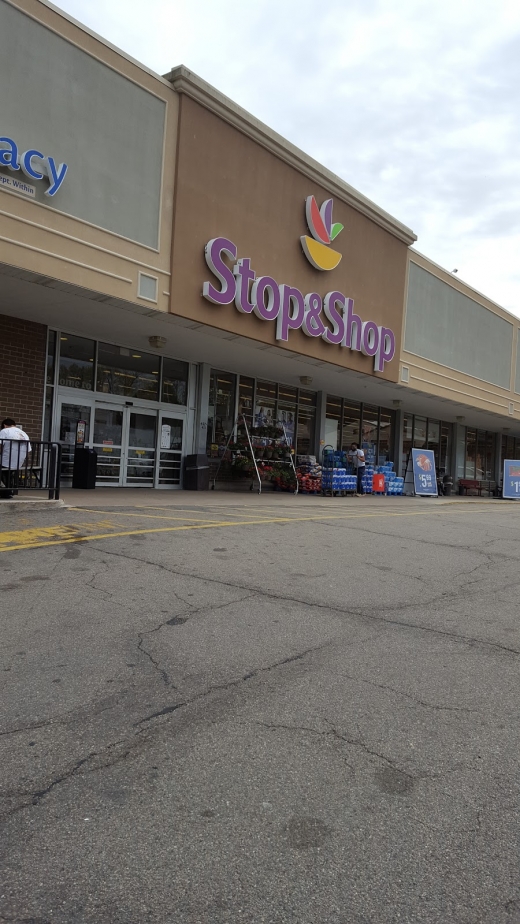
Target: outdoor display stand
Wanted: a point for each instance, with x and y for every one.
(423, 472)
(262, 452)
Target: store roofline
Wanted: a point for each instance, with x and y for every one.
(185, 81)
(95, 35)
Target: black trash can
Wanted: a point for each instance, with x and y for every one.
(85, 467)
(196, 473)
(447, 483)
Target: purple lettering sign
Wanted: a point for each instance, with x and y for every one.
(292, 310)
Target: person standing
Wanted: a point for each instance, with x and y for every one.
(358, 460)
(14, 446)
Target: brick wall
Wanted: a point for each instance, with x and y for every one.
(23, 347)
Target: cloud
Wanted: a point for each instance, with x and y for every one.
(414, 104)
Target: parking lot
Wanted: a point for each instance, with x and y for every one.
(222, 708)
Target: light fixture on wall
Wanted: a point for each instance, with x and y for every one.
(397, 403)
(506, 429)
(455, 271)
(460, 419)
(305, 379)
(157, 342)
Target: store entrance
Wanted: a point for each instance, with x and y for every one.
(137, 447)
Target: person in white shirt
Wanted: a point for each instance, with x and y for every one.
(14, 446)
(358, 460)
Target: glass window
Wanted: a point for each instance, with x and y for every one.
(287, 394)
(76, 362)
(286, 418)
(369, 433)
(108, 435)
(461, 452)
(221, 410)
(71, 414)
(481, 455)
(265, 404)
(51, 356)
(307, 398)
(170, 452)
(490, 456)
(305, 430)
(434, 434)
(386, 435)
(108, 427)
(351, 425)
(471, 447)
(174, 381)
(419, 433)
(333, 418)
(445, 447)
(47, 415)
(286, 411)
(246, 393)
(122, 371)
(266, 390)
(508, 447)
(407, 440)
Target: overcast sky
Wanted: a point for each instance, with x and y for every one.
(414, 103)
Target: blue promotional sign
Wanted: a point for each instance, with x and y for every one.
(424, 477)
(511, 485)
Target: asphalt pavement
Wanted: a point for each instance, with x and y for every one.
(221, 708)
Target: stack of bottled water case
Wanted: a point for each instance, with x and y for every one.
(335, 477)
(393, 484)
(334, 480)
(366, 481)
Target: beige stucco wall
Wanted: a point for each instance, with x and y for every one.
(41, 239)
(229, 185)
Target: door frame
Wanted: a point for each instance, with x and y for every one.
(173, 415)
(94, 400)
(110, 406)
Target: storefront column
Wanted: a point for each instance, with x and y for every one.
(458, 452)
(319, 430)
(498, 458)
(201, 414)
(397, 447)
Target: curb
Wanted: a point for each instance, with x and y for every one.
(16, 504)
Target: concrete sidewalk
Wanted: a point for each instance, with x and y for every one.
(150, 497)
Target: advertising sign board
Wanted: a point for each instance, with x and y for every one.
(424, 477)
(511, 485)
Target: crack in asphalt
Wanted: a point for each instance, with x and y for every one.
(333, 608)
(160, 670)
(36, 796)
(345, 739)
(228, 685)
(168, 622)
(414, 699)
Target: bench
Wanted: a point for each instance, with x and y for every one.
(472, 484)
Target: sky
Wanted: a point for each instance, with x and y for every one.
(415, 104)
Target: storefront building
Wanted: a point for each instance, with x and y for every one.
(164, 274)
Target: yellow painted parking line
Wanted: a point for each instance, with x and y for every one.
(37, 532)
(149, 516)
(31, 540)
(21, 538)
